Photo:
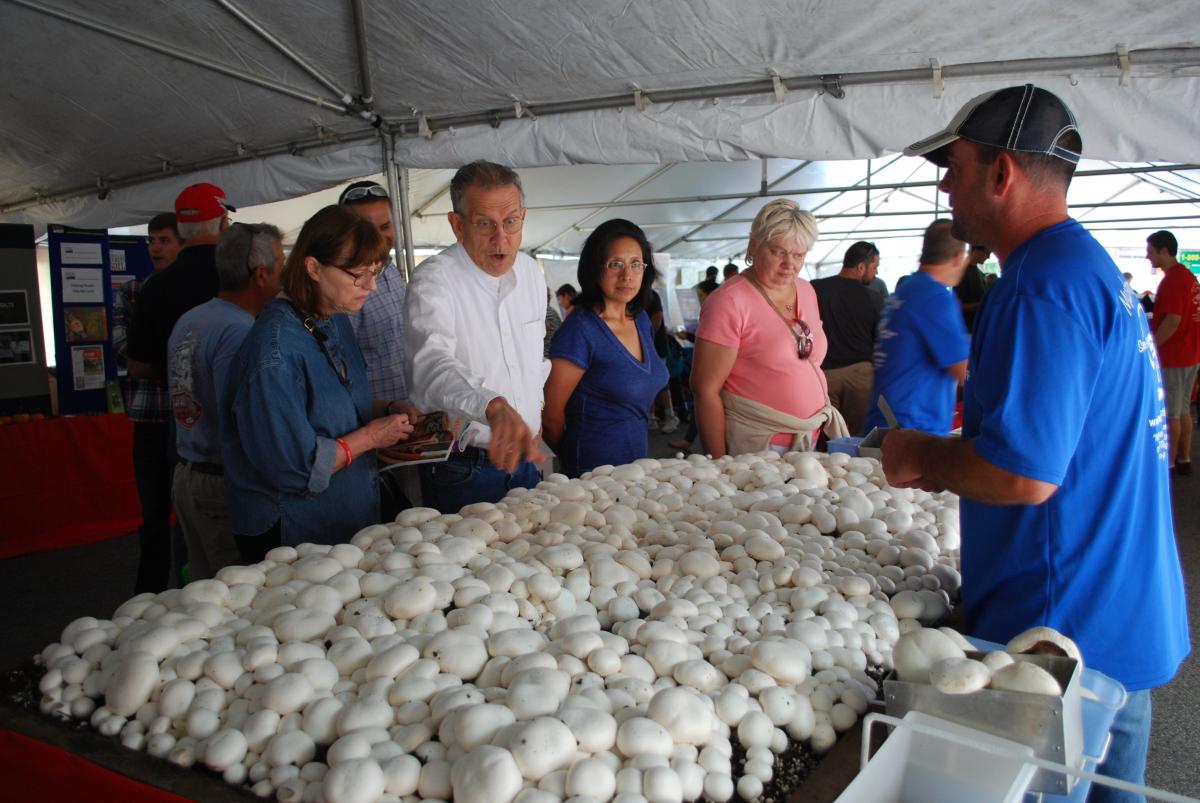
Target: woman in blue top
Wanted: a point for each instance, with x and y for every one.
(604, 371)
(299, 425)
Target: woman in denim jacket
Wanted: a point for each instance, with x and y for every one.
(299, 425)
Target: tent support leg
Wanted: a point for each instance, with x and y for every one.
(398, 192)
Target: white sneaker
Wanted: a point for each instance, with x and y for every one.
(670, 424)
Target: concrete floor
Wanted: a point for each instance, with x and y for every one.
(43, 592)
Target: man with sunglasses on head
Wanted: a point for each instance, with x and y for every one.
(474, 335)
(379, 328)
(850, 313)
(203, 344)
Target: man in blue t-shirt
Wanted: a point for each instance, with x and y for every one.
(921, 348)
(249, 261)
(1062, 467)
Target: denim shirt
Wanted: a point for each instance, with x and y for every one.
(283, 406)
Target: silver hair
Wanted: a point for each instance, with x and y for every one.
(784, 218)
(484, 174)
(202, 229)
(242, 248)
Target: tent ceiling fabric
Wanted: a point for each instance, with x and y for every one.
(80, 105)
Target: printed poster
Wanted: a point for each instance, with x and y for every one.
(14, 307)
(83, 285)
(16, 347)
(87, 367)
(85, 324)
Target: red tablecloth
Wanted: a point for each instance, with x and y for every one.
(65, 482)
(34, 772)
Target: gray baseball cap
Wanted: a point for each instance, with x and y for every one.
(1019, 118)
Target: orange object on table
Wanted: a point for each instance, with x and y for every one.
(66, 482)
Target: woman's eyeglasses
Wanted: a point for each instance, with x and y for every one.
(362, 275)
(804, 338)
(617, 265)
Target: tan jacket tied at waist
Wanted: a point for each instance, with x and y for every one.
(750, 425)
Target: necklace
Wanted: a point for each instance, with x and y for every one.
(789, 307)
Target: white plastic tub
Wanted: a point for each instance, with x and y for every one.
(953, 765)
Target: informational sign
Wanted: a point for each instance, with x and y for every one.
(1190, 259)
(82, 253)
(83, 286)
(14, 307)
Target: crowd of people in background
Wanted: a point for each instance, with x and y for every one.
(263, 389)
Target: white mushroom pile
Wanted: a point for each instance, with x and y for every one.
(605, 637)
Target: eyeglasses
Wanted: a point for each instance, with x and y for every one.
(487, 228)
(797, 257)
(362, 275)
(617, 265)
(358, 193)
(804, 338)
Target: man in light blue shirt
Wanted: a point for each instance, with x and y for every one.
(921, 348)
(379, 329)
(249, 258)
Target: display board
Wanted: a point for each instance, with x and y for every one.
(24, 385)
(82, 300)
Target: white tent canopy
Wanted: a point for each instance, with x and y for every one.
(109, 110)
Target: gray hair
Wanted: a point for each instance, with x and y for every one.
(201, 229)
(242, 248)
(783, 217)
(485, 175)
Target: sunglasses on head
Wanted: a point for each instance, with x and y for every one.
(358, 193)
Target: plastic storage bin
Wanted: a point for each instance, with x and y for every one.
(917, 767)
(844, 445)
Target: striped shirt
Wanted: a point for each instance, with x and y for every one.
(379, 330)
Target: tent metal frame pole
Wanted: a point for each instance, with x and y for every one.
(410, 247)
(764, 191)
(287, 50)
(433, 199)
(746, 196)
(360, 42)
(637, 186)
(1180, 56)
(174, 52)
(388, 146)
(294, 148)
(915, 230)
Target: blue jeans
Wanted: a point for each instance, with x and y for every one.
(467, 477)
(1127, 755)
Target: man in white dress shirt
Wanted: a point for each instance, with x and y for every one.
(476, 320)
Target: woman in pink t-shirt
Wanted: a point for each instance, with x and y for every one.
(757, 377)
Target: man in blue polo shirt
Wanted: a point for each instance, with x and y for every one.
(1062, 467)
(921, 347)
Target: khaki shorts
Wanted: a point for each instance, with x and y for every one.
(1177, 382)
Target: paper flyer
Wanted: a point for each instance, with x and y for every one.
(81, 254)
(83, 285)
(87, 367)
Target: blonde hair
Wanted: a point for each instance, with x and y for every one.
(783, 218)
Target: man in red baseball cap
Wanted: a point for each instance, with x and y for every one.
(201, 213)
